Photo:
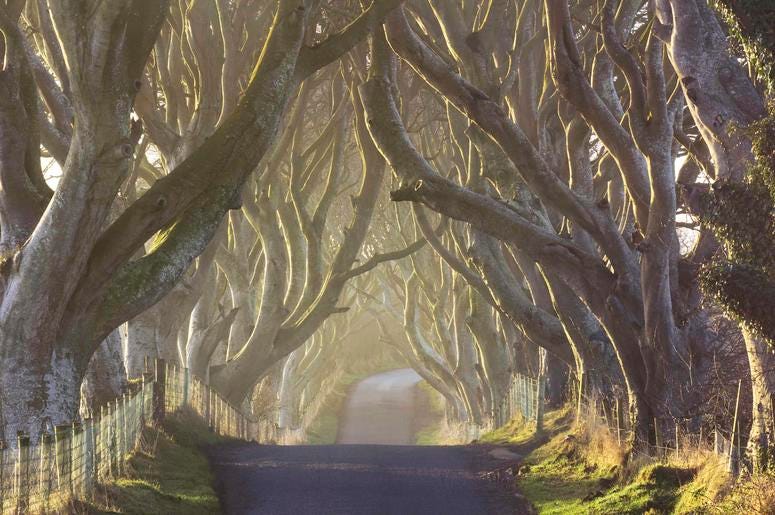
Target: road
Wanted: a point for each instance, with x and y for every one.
(371, 471)
(381, 410)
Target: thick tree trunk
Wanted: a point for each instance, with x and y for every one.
(37, 395)
(106, 376)
(140, 343)
(286, 413)
(761, 442)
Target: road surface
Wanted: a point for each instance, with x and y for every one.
(370, 472)
(381, 410)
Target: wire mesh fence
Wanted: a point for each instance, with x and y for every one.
(524, 396)
(45, 474)
(671, 439)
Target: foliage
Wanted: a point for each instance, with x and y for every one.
(751, 24)
(741, 216)
(325, 427)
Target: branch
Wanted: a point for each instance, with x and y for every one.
(491, 118)
(376, 259)
(314, 58)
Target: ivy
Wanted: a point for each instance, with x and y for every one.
(751, 25)
(742, 216)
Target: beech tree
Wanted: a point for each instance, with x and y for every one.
(69, 277)
(611, 239)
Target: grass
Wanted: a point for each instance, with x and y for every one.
(568, 470)
(169, 474)
(324, 429)
(431, 405)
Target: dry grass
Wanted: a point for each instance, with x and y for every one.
(752, 494)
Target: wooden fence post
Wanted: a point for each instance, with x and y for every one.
(657, 437)
(733, 457)
(618, 421)
(76, 459)
(44, 474)
(580, 400)
(124, 431)
(62, 450)
(186, 386)
(22, 473)
(676, 439)
(119, 432)
(90, 472)
(159, 391)
(540, 403)
(526, 398)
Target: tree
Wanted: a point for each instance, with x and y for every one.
(626, 275)
(739, 208)
(69, 277)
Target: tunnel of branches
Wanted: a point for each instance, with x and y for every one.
(577, 191)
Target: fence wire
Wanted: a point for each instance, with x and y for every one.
(524, 396)
(45, 474)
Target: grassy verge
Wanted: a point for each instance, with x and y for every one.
(569, 470)
(324, 429)
(169, 474)
(431, 413)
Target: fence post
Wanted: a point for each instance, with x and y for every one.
(159, 391)
(525, 400)
(206, 405)
(732, 465)
(124, 431)
(580, 399)
(62, 450)
(76, 458)
(540, 403)
(676, 439)
(657, 439)
(44, 474)
(618, 421)
(22, 472)
(118, 432)
(90, 472)
(186, 386)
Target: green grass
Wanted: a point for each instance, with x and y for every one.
(432, 405)
(170, 474)
(324, 429)
(562, 475)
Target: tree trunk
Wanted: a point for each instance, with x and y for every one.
(106, 376)
(286, 416)
(761, 442)
(35, 395)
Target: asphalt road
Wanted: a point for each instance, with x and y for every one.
(381, 410)
(370, 472)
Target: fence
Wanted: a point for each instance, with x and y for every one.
(525, 395)
(45, 475)
(671, 438)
